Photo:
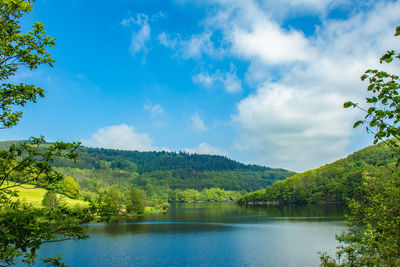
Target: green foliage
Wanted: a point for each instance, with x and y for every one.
(24, 228)
(19, 49)
(136, 201)
(92, 179)
(383, 114)
(71, 187)
(97, 170)
(51, 200)
(105, 206)
(141, 162)
(333, 183)
(373, 236)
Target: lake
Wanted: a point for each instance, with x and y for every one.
(209, 234)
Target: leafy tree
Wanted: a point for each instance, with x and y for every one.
(373, 237)
(51, 200)
(383, 116)
(23, 227)
(105, 206)
(19, 50)
(136, 201)
(71, 187)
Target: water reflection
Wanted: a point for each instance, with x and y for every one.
(209, 234)
(151, 227)
(227, 212)
(211, 217)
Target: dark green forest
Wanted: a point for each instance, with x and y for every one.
(332, 183)
(165, 176)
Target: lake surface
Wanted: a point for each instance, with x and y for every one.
(209, 234)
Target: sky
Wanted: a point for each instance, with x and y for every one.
(261, 82)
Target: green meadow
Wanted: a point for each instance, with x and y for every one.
(29, 193)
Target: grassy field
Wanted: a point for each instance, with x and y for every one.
(34, 195)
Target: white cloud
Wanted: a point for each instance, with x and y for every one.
(141, 37)
(154, 110)
(195, 46)
(267, 42)
(204, 79)
(198, 45)
(197, 123)
(293, 128)
(229, 80)
(122, 137)
(166, 40)
(207, 149)
(295, 119)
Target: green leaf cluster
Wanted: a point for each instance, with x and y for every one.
(24, 227)
(373, 235)
(17, 49)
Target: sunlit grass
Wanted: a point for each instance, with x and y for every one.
(31, 194)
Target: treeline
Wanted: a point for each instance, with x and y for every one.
(93, 182)
(141, 162)
(333, 183)
(239, 180)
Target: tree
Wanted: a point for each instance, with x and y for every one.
(17, 50)
(51, 200)
(71, 187)
(373, 235)
(105, 206)
(383, 116)
(23, 227)
(136, 201)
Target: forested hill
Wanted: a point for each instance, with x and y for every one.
(333, 182)
(141, 162)
(160, 172)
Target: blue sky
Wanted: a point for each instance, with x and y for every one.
(259, 81)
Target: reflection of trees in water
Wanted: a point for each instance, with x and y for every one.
(154, 228)
(206, 217)
(317, 211)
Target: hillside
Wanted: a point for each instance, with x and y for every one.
(160, 171)
(332, 183)
(147, 170)
(34, 195)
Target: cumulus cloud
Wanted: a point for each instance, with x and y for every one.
(266, 41)
(197, 123)
(293, 128)
(295, 118)
(122, 137)
(207, 149)
(297, 121)
(229, 80)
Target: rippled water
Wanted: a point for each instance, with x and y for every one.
(204, 234)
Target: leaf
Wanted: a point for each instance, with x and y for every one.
(387, 58)
(358, 123)
(349, 104)
(365, 76)
(370, 110)
(397, 31)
